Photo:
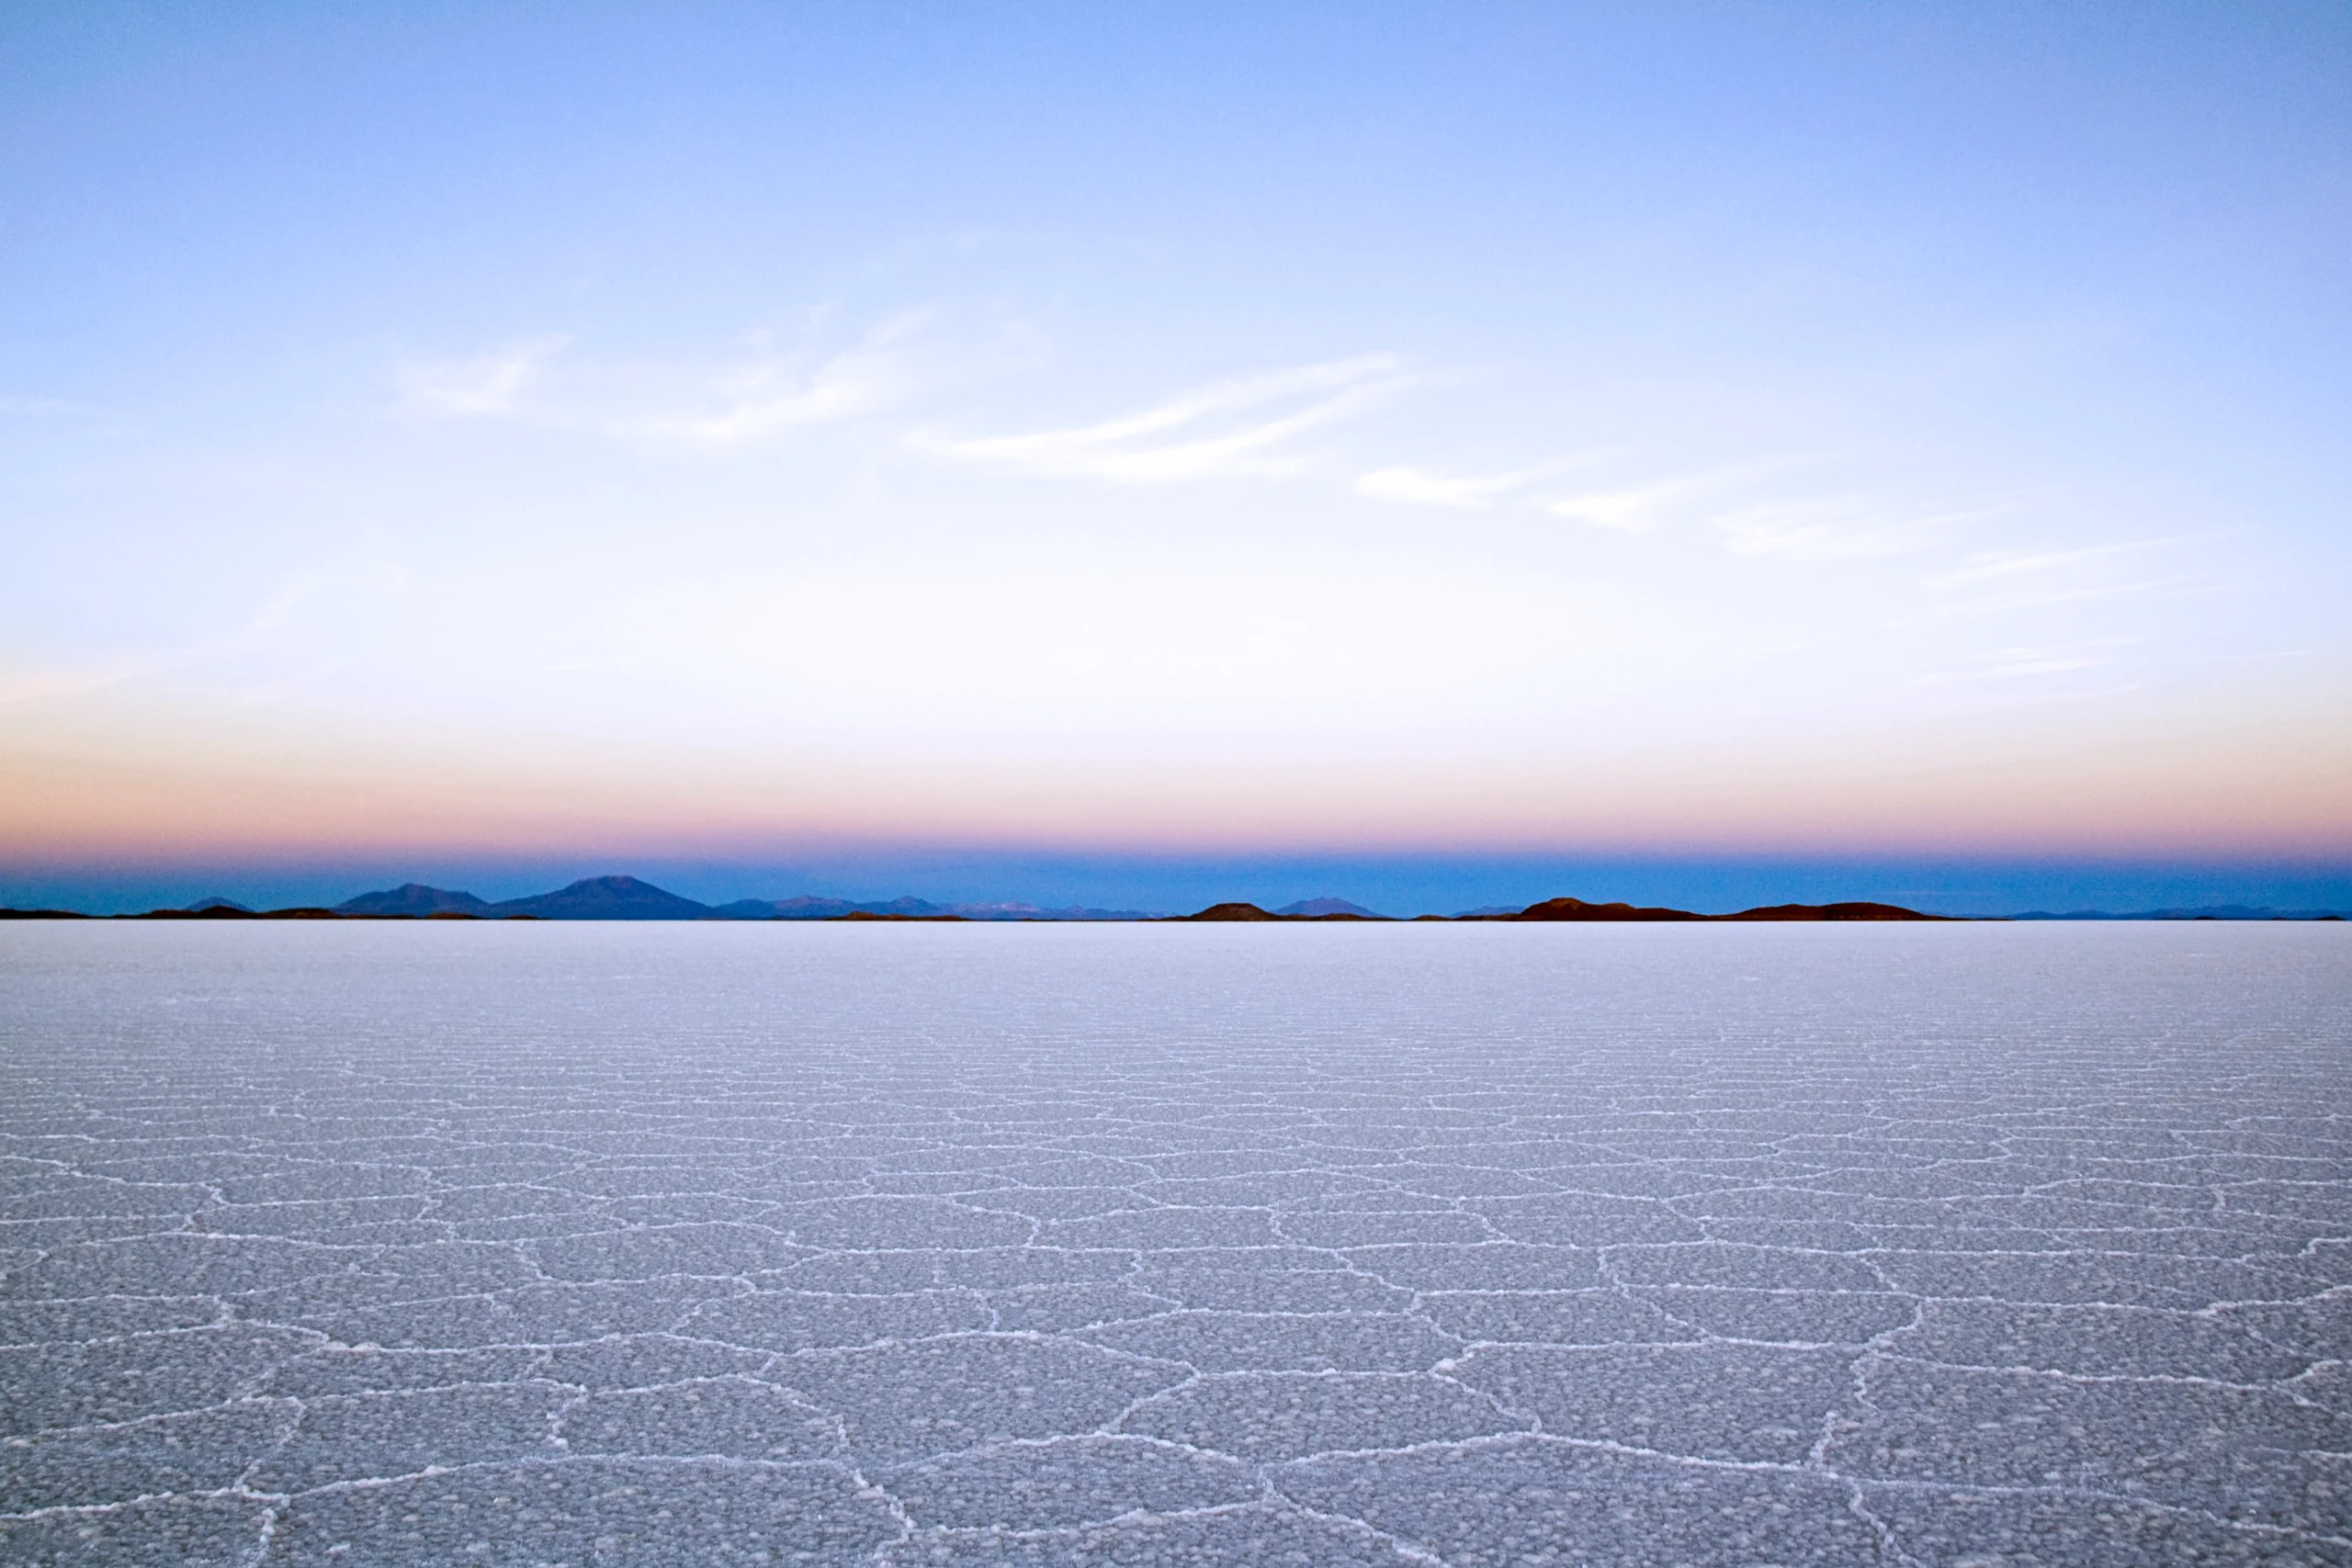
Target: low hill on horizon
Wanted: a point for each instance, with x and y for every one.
(807, 907)
(413, 898)
(1577, 910)
(605, 898)
(1244, 911)
(1329, 905)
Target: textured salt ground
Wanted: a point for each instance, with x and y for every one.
(633, 1244)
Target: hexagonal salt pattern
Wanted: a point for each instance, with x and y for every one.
(604, 1245)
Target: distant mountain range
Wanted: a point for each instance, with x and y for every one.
(2204, 912)
(628, 899)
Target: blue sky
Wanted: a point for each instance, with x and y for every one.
(1076, 435)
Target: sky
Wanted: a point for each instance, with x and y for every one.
(1088, 451)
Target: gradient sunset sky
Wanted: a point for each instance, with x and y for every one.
(1080, 435)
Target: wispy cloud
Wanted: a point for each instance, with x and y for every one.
(1639, 509)
(282, 635)
(2044, 598)
(2007, 565)
(765, 399)
(1419, 487)
(714, 408)
(2010, 664)
(1991, 583)
(1837, 529)
(274, 615)
(495, 385)
(1224, 429)
(32, 686)
(1740, 507)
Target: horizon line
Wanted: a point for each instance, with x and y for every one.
(653, 903)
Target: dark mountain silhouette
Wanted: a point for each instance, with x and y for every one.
(911, 908)
(1315, 908)
(222, 910)
(1252, 912)
(801, 908)
(807, 908)
(1858, 911)
(605, 898)
(217, 902)
(413, 898)
(1577, 910)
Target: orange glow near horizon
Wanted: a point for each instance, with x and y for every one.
(2283, 789)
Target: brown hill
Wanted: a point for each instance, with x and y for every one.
(1577, 910)
(1232, 912)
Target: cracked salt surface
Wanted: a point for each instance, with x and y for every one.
(614, 1244)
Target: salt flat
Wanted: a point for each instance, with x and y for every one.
(604, 1245)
